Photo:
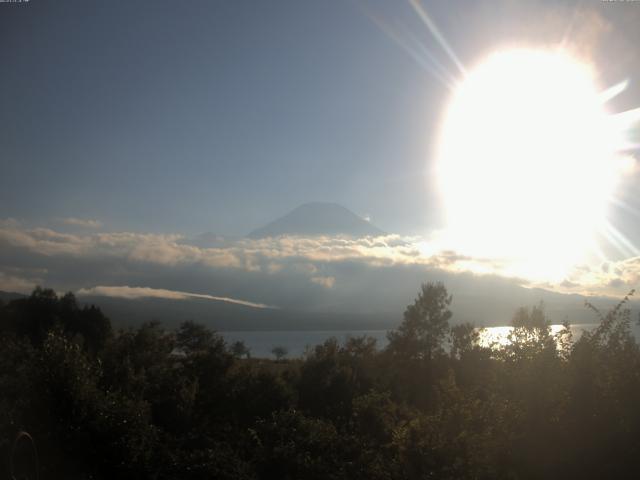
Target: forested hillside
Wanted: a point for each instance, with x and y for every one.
(163, 404)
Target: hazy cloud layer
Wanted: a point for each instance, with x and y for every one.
(314, 258)
(372, 277)
(260, 255)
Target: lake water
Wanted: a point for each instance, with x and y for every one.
(296, 342)
(261, 343)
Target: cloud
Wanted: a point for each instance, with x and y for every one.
(327, 282)
(136, 247)
(609, 278)
(79, 222)
(244, 254)
(11, 283)
(132, 293)
(282, 265)
(9, 223)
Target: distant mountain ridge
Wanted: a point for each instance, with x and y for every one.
(318, 218)
(6, 297)
(222, 316)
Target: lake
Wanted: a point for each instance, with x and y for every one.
(296, 342)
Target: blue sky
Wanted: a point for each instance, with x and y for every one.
(208, 115)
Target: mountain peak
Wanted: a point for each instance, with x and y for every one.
(318, 218)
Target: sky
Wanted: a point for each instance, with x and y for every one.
(208, 115)
(130, 126)
(219, 116)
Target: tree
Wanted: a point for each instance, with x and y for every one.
(425, 326)
(531, 334)
(34, 316)
(291, 445)
(279, 352)
(464, 338)
(193, 337)
(239, 349)
(89, 322)
(329, 379)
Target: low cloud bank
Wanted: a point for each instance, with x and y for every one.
(76, 260)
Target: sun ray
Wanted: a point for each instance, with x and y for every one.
(612, 242)
(435, 31)
(618, 202)
(432, 58)
(614, 91)
(422, 56)
(622, 239)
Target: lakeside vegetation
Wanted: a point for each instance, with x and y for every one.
(151, 403)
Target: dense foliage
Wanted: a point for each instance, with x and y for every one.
(150, 403)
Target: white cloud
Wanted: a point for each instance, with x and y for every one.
(327, 282)
(79, 222)
(309, 257)
(13, 283)
(132, 293)
(608, 278)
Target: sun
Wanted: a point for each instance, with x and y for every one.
(527, 161)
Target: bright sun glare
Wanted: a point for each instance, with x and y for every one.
(527, 161)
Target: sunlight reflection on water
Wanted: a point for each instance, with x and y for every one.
(499, 336)
(296, 342)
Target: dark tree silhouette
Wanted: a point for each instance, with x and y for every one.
(239, 349)
(279, 352)
(159, 404)
(425, 325)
